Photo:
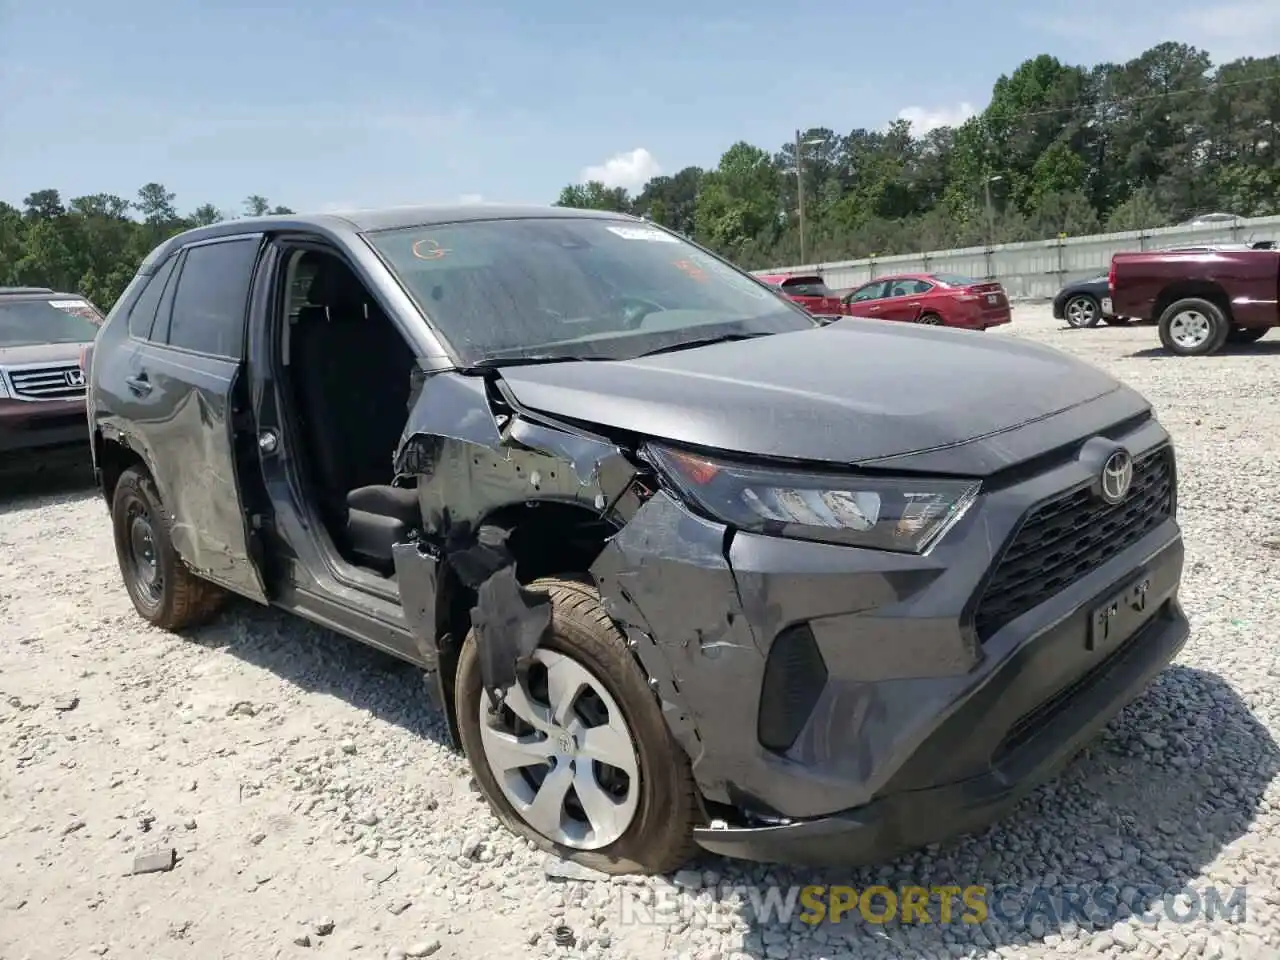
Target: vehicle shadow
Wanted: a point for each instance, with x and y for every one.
(318, 660)
(45, 481)
(1266, 348)
(1173, 780)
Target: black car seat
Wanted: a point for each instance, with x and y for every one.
(354, 369)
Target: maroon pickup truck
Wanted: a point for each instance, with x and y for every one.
(1201, 299)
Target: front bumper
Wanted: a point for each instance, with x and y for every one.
(912, 705)
(42, 424)
(911, 819)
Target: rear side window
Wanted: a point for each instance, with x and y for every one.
(211, 298)
(909, 288)
(143, 315)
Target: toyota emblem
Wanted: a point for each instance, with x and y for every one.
(74, 377)
(1117, 476)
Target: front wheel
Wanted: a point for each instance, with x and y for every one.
(1194, 327)
(1082, 311)
(164, 592)
(578, 758)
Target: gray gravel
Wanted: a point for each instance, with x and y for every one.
(302, 781)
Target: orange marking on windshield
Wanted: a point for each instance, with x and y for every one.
(429, 250)
(691, 268)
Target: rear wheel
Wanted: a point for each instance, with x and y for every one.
(164, 592)
(578, 758)
(1082, 311)
(1194, 327)
(1246, 334)
(930, 319)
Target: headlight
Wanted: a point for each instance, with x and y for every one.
(902, 514)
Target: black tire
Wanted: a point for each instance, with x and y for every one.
(1219, 327)
(930, 320)
(1088, 311)
(1246, 334)
(175, 598)
(659, 838)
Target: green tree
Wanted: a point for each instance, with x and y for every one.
(594, 195)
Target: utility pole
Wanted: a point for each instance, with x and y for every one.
(800, 144)
(800, 197)
(991, 214)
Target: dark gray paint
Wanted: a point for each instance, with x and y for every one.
(851, 392)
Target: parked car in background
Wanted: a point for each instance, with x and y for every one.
(42, 385)
(1206, 219)
(808, 290)
(937, 299)
(729, 589)
(1201, 299)
(1080, 303)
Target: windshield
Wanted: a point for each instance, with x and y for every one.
(27, 322)
(588, 288)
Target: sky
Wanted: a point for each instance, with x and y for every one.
(330, 104)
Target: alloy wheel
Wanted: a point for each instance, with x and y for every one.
(1190, 329)
(562, 754)
(1082, 312)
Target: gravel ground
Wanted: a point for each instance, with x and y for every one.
(304, 784)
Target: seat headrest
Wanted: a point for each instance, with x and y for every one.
(337, 288)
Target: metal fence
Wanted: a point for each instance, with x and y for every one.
(1039, 269)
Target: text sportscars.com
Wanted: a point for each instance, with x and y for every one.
(1086, 904)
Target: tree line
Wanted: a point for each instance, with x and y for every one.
(1060, 149)
(92, 245)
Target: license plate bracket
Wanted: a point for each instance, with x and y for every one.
(1120, 614)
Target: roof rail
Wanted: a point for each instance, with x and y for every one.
(26, 290)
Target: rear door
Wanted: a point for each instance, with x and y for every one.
(201, 436)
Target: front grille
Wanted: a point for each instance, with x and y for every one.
(1067, 538)
(54, 381)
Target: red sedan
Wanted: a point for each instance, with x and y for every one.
(941, 299)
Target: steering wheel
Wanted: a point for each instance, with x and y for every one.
(635, 309)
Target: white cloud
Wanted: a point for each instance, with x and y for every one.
(1246, 28)
(632, 169)
(1227, 29)
(924, 119)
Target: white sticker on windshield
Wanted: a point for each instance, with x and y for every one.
(69, 304)
(643, 233)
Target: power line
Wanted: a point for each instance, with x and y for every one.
(1143, 98)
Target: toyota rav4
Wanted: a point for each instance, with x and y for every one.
(689, 567)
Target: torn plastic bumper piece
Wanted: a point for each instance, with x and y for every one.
(510, 622)
(894, 823)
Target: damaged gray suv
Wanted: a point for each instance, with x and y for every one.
(689, 568)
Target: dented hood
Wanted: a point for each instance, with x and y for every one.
(853, 391)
